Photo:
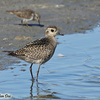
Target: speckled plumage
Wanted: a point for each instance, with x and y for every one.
(40, 50)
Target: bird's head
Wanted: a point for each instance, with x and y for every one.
(37, 17)
(52, 31)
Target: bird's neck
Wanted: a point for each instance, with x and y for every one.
(52, 40)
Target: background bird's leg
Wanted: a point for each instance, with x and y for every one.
(39, 22)
(27, 24)
(31, 71)
(22, 22)
(38, 72)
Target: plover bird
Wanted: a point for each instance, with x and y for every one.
(38, 51)
(26, 15)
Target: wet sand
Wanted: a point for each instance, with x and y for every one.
(70, 16)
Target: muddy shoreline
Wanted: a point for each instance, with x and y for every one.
(75, 75)
(74, 16)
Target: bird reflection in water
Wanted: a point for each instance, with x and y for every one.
(51, 95)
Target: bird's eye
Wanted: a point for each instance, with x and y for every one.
(52, 30)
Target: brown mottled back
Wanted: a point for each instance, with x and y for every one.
(26, 13)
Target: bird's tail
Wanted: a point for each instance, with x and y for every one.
(7, 51)
(10, 11)
(10, 52)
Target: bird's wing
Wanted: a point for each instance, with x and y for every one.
(23, 13)
(35, 49)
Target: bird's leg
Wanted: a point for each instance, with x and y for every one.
(39, 22)
(27, 25)
(31, 71)
(22, 22)
(31, 89)
(38, 72)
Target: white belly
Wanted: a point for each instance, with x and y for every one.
(30, 60)
(26, 20)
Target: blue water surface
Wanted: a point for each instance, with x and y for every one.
(76, 76)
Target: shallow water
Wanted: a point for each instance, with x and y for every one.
(76, 76)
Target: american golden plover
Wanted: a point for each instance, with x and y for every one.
(38, 51)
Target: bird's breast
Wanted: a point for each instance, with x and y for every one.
(26, 20)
